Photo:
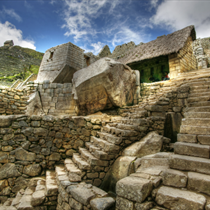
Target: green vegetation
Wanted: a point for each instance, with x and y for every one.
(18, 63)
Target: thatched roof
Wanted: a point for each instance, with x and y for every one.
(163, 45)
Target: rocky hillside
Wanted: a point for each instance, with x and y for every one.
(18, 63)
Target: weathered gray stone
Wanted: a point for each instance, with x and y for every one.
(8, 170)
(99, 86)
(123, 204)
(75, 204)
(27, 131)
(38, 198)
(6, 121)
(3, 184)
(21, 154)
(102, 203)
(150, 144)
(82, 194)
(133, 188)
(121, 168)
(144, 206)
(3, 157)
(32, 170)
(174, 178)
(40, 131)
(55, 157)
(179, 199)
(35, 106)
(199, 182)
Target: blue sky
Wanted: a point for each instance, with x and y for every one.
(91, 24)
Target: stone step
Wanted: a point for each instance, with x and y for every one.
(110, 138)
(119, 132)
(96, 151)
(51, 184)
(199, 90)
(196, 121)
(197, 114)
(80, 162)
(173, 198)
(38, 197)
(74, 173)
(199, 94)
(25, 203)
(93, 161)
(189, 138)
(191, 149)
(199, 83)
(104, 145)
(61, 174)
(198, 87)
(147, 162)
(198, 130)
(124, 126)
(199, 104)
(199, 182)
(140, 114)
(188, 163)
(198, 98)
(134, 121)
(197, 109)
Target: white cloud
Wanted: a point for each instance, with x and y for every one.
(126, 35)
(9, 32)
(154, 3)
(80, 16)
(97, 47)
(11, 13)
(181, 13)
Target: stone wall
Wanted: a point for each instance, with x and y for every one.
(31, 145)
(12, 101)
(205, 42)
(56, 98)
(89, 58)
(120, 50)
(182, 61)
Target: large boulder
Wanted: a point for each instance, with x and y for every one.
(103, 85)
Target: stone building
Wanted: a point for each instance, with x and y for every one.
(9, 43)
(59, 63)
(167, 54)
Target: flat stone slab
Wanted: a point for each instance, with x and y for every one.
(191, 149)
(188, 163)
(199, 182)
(179, 199)
(133, 188)
(102, 203)
(174, 178)
(82, 194)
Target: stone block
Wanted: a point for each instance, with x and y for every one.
(133, 188)
(123, 204)
(174, 178)
(178, 199)
(199, 182)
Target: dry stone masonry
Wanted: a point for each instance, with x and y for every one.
(148, 147)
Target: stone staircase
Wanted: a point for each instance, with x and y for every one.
(93, 161)
(179, 180)
(41, 194)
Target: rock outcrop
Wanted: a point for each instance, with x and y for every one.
(103, 85)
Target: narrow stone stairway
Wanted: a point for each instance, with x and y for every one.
(179, 180)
